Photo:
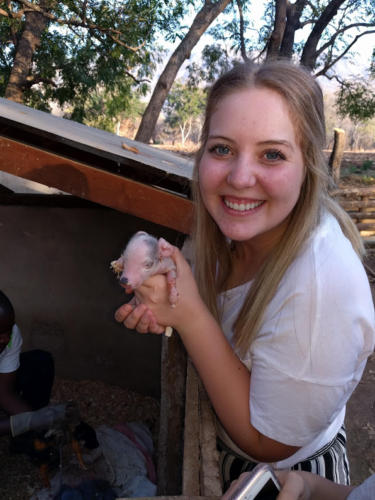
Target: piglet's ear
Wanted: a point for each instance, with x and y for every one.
(165, 248)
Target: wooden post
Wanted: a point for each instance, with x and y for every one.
(337, 154)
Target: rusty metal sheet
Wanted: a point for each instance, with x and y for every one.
(98, 148)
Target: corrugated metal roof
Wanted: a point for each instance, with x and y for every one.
(95, 165)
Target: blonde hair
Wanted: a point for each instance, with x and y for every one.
(212, 249)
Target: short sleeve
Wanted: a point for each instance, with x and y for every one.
(10, 357)
(313, 345)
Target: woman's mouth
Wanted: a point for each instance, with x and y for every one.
(242, 206)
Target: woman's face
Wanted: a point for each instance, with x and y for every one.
(251, 171)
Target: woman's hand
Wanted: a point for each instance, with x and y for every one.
(293, 486)
(138, 317)
(151, 310)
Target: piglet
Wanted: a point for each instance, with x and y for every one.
(143, 257)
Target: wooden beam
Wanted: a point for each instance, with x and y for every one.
(100, 186)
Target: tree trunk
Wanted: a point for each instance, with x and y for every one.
(242, 37)
(337, 154)
(293, 15)
(35, 24)
(203, 19)
(309, 54)
(278, 30)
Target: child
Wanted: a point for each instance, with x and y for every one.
(25, 380)
(278, 318)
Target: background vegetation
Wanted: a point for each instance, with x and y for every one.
(141, 67)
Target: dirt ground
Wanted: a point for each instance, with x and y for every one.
(360, 417)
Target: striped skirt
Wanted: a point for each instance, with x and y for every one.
(331, 462)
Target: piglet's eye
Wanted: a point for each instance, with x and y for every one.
(148, 264)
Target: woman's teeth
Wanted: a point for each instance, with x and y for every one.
(242, 207)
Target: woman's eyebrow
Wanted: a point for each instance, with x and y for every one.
(219, 137)
(281, 142)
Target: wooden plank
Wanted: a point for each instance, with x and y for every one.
(358, 191)
(172, 411)
(353, 204)
(362, 215)
(210, 469)
(191, 466)
(96, 185)
(201, 473)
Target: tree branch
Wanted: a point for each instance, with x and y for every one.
(111, 32)
(308, 57)
(332, 63)
(331, 41)
(278, 29)
(136, 79)
(242, 38)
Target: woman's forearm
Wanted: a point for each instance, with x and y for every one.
(227, 382)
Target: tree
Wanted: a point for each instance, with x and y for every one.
(356, 100)
(328, 31)
(208, 13)
(67, 51)
(102, 110)
(316, 33)
(183, 107)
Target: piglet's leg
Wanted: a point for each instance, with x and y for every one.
(172, 290)
(165, 248)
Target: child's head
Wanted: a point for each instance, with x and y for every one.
(7, 319)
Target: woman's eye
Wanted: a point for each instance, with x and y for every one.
(220, 150)
(274, 155)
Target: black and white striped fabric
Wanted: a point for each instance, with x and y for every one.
(330, 462)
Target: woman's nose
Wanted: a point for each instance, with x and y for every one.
(242, 173)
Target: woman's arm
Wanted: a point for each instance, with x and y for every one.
(226, 379)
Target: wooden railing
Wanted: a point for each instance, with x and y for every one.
(359, 202)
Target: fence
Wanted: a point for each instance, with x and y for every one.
(359, 202)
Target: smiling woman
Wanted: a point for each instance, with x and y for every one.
(265, 314)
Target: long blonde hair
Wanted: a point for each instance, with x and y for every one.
(213, 257)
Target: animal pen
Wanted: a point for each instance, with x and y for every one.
(55, 263)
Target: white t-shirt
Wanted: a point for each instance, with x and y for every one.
(10, 357)
(312, 347)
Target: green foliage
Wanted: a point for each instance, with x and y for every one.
(356, 100)
(367, 164)
(184, 105)
(214, 62)
(109, 47)
(102, 109)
